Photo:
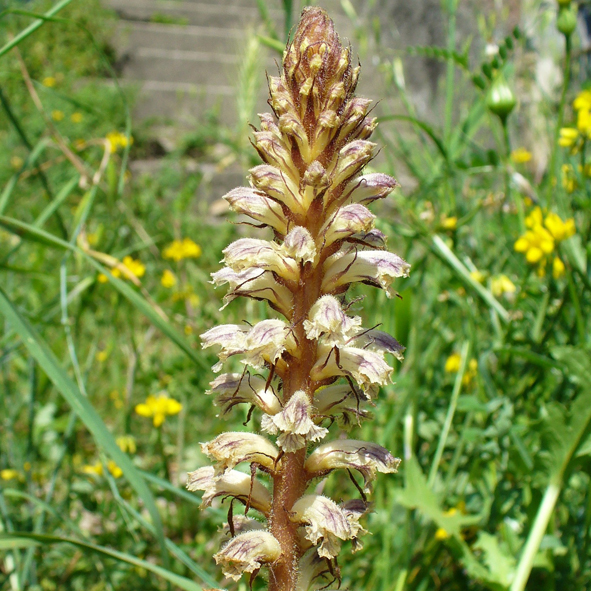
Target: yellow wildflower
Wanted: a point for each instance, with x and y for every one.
(168, 279)
(134, 266)
(449, 223)
(49, 81)
(114, 469)
(16, 162)
(557, 268)
(584, 122)
(158, 407)
(126, 444)
(95, 469)
(116, 398)
(535, 244)
(583, 101)
(568, 136)
(478, 276)
(560, 230)
(520, 156)
(541, 239)
(102, 356)
(9, 474)
(442, 534)
(501, 284)
(178, 250)
(452, 364)
(188, 329)
(569, 182)
(76, 117)
(102, 278)
(116, 140)
(57, 115)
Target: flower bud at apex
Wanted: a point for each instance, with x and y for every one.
(501, 100)
(317, 365)
(566, 22)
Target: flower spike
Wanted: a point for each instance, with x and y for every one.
(316, 368)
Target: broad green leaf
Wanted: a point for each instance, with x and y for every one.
(499, 562)
(18, 540)
(79, 404)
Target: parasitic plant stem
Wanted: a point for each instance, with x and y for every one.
(317, 367)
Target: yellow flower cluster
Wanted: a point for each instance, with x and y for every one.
(178, 250)
(168, 279)
(540, 240)
(452, 365)
(132, 266)
(569, 136)
(520, 156)
(501, 284)
(96, 469)
(158, 407)
(116, 140)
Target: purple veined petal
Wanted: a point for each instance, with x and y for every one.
(367, 368)
(266, 341)
(364, 456)
(277, 185)
(325, 523)
(294, 423)
(232, 448)
(257, 284)
(380, 341)
(369, 187)
(310, 568)
(352, 158)
(347, 221)
(378, 268)
(328, 321)
(248, 253)
(248, 201)
(273, 151)
(234, 484)
(231, 389)
(231, 338)
(299, 245)
(374, 239)
(247, 552)
(339, 400)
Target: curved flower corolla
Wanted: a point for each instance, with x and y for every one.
(247, 552)
(364, 456)
(257, 284)
(328, 320)
(368, 368)
(232, 448)
(231, 484)
(231, 389)
(259, 207)
(294, 423)
(374, 268)
(325, 523)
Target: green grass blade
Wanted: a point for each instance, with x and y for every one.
(137, 300)
(18, 540)
(33, 27)
(65, 385)
(443, 251)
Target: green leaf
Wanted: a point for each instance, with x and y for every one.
(79, 404)
(499, 562)
(18, 540)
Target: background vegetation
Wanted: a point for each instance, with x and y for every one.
(104, 291)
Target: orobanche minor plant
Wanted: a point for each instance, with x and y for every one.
(318, 366)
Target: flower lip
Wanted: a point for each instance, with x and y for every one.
(232, 448)
(247, 552)
(363, 456)
(234, 484)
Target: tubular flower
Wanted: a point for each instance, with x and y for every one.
(315, 367)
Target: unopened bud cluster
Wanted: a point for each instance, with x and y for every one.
(316, 366)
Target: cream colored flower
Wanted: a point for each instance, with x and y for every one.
(247, 552)
(294, 423)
